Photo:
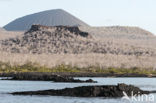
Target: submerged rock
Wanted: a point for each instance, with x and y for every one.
(90, 91)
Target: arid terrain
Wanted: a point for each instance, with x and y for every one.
(120, 47)
(8, 34)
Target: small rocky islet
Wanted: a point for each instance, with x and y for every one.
(109, 91)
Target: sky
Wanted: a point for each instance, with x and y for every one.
(141, 13)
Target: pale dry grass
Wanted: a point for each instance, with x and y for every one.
(9, 34)
(129, 35)
(81, 60)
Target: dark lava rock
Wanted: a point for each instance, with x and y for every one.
(89, 74)
(46, 77)
(70, 79)
(90, 91)
(72, 29)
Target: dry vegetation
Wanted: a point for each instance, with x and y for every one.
(33, 67)
(117, 47)
(8, 34)
(116, 31)
(80, 60)
(70, 40)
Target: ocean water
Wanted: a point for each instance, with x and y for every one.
(14, 86)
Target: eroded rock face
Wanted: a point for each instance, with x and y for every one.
(91, 91)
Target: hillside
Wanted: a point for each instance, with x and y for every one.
(123, 34)
(1, 29)
(55, 17)
(51, 46)
(117, 31)
(8, 34)
(68, 40)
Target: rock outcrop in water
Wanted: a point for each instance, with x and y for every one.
(90, 91)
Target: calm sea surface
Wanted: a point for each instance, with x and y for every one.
(14, 86)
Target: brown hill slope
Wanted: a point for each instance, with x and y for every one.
(117, 31)
(1, 29)
(63, 39)
(124, 34)
(8, 34)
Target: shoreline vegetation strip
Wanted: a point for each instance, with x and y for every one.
(34, 67)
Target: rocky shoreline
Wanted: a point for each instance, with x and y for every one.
(68, 74)
(44, 77)
(91, 91)
(109, 91)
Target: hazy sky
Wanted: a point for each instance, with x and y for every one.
(140, 13)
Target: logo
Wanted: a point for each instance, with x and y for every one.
(137, 98)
